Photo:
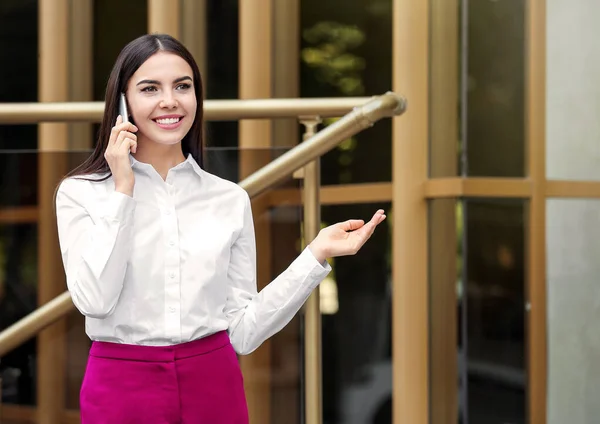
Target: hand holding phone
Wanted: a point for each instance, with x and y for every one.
(122, 141)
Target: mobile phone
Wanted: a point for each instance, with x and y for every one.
(123, 108)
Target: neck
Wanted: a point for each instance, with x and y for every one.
(162, 157)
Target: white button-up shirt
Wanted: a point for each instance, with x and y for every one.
(175, 262)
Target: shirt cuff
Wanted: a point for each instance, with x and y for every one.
(316, 271)
(119, 207)
(325, 265)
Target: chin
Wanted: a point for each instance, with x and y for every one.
(169, 142)
(167, 139)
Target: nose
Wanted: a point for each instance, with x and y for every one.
(168, 101)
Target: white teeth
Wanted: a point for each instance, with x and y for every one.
(167, 121)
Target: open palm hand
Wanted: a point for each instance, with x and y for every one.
(344, 238)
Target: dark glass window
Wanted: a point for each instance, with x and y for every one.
(222, 52)
(493, 311)
(356, 326)
(19, 70)
(482, 299)
(346, 51)
(495, 89)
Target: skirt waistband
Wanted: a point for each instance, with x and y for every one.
(160, 353)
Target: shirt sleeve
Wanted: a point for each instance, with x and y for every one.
(254, 317)
(95, 240)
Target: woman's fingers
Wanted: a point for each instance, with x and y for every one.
(377, 219)
(365, 233)
(125, 142)
(114, 132)
(345, 238)
(121, 142)
(129, 145)
(352, 224)
(120, 127)
(125, 135)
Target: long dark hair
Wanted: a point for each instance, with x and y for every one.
(129, 60)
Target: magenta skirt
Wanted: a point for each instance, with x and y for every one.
(191, 383)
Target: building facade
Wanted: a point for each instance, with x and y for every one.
(474, 303)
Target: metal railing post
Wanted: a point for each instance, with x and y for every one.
(312, 312)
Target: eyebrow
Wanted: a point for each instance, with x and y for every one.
(180, 79)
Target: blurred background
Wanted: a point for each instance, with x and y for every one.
(475, 302)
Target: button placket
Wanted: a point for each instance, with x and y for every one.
(172, 264)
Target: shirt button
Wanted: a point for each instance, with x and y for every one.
(167, 212)
(172, 274)
(171, 243)
(171, 309)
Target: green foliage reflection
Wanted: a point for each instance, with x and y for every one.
(330, 55)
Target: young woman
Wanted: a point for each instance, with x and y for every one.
(160, 255)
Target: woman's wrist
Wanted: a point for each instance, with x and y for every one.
(318, 252)
(126, 189)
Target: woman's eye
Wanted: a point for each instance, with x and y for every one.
(183, 86)
(149, 88)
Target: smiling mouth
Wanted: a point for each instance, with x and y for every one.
(168, 121)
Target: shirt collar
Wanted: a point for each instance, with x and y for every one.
(190, 161)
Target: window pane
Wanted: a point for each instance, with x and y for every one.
(18, 21)
(572, 90)
(345, 51)
(18, 297)
(477, 318)
(573, 293)
(221, 81)
(116, 23)
(495, 120)
(477, 88)
(493, 311)
(18, 179)
(18, 271)
(356, 323)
